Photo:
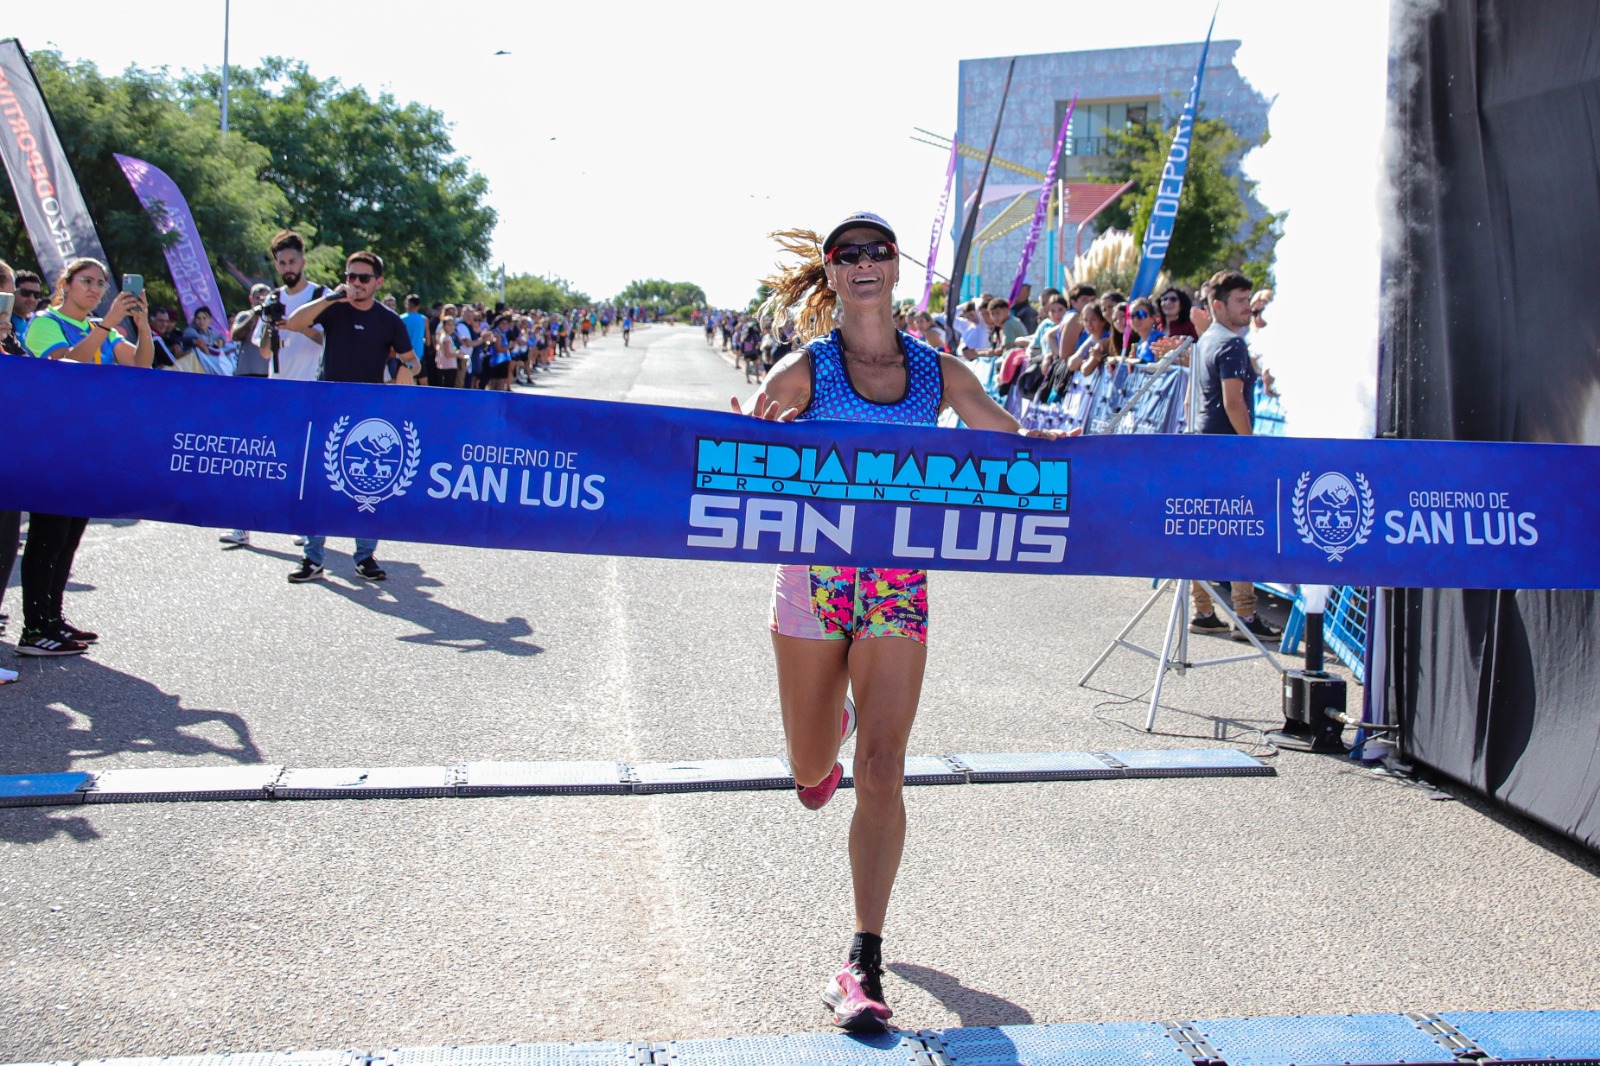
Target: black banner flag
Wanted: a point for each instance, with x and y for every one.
(47, 192)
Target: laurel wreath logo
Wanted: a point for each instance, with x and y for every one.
(335, 471)
(330, 454)
(1297, 509)
(408, 472)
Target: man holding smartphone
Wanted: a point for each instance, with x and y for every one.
(361, 337)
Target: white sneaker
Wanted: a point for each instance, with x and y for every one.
(235, 536)
(299, 542)
(848, 726)
(8, 676)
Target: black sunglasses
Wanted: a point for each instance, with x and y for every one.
(33, 293)
(1169, 299)
(358, 278)
(850, 254)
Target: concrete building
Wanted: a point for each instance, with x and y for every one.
(1116, 87)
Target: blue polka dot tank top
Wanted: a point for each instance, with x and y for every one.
(833, 395)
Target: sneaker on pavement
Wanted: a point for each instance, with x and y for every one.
(849, 719)
(308, 571)
(39, 642)
(1260, 627)
(237, 537)
(8, 676)
(72, 632)
(299, 542)
(369, 569)
(855, 996)
(817, 796)
(1207, 623)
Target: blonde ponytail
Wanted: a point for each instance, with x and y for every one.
(800, 292)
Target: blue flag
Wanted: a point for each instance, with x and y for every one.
(1164, 215)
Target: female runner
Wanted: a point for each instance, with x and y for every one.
(858, 628)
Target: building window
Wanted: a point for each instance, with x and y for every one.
(1093, 124)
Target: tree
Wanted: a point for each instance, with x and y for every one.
(362, 172)
(141, 113)
(1214, 229)
(763, 291)
(655, 292)
(538, 293)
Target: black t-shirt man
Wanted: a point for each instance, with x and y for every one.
(359, 333)
(356, 343)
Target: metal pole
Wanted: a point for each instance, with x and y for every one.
(226, 11)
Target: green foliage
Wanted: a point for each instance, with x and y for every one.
(654, 292)
(936, 296)
(345, 170)
(143, 114)
(363, 172)
(685, 313)
(1213, 229)
(536, 293)
(763, 291)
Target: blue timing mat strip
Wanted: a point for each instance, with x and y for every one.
(547, 474)
(1571, 1037)
(259, 781)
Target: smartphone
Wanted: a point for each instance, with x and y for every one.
(7, 302)
(133, 284)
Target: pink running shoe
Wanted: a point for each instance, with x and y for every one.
(855, 996)
(817, 796)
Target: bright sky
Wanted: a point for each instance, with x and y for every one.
(637, 140)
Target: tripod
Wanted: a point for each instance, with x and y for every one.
(1174, 653)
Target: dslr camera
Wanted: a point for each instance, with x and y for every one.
(272, 308)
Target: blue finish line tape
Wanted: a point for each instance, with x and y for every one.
(594, 778)
(591, 477)
(1553, 1037)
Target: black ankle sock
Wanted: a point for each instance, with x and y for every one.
(867, 949)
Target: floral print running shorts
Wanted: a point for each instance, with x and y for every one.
(850, 603)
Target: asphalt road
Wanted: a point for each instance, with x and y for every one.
(178, 928)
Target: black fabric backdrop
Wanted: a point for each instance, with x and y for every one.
(1492, 332)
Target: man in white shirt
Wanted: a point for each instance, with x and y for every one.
(299, 356)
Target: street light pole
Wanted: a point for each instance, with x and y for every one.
(226, 6)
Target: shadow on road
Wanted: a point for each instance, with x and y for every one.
(972, 1006)
(443, 626)
(67, 711)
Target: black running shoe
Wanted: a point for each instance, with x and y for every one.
(72, 632)
(369, 569)
(308, 571)
(1207, 623)
(1260, 627)
(855, 996)
(41, 642)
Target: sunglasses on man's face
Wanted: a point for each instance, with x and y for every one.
(29, 294)
(850, 254)
(357, 277)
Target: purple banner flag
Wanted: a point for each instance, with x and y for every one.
(186, 257)
(938, 228)
(1043, 205)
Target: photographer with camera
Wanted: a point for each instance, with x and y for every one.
(248, 360)
(365, 343)
(295, 355)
